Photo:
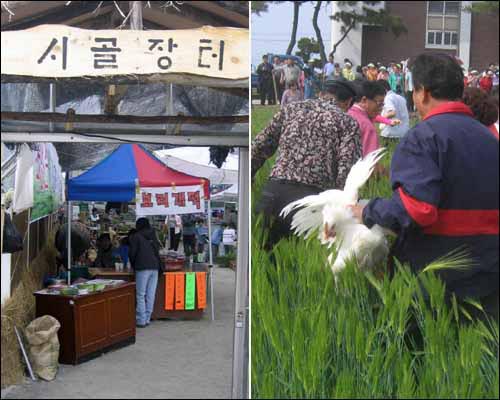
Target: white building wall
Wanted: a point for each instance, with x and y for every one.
(352, 46)
(464, 35)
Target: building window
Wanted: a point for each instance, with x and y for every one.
(443, 24)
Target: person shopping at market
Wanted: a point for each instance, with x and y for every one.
(174, 223)
(217, 239)
(188, 234)
(445, 178)
(201, 232)
(144, 255)
(229, 239)
(317, 144)
(105, 250)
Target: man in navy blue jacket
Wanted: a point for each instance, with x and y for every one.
(445, 178)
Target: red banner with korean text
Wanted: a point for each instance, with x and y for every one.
(170, 200)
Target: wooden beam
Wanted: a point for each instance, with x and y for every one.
(54, 15)
(27, 10)
(169, 20)
(202, 56)
(76, 21)
(214, 8)
(187, 17)
(178, 79)
(178, 140)
(122, 119)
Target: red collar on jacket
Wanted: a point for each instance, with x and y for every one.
(456, 107)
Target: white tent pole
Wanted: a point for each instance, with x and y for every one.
(211, 260)
(52, 108)
(28, 246)
(240, 348)
(70, 217)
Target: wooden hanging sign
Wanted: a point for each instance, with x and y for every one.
(60, 51)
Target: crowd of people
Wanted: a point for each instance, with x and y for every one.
(444, 171)
(282, 81)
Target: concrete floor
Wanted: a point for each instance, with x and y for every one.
(170, 359)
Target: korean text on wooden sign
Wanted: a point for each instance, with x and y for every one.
(60, 51)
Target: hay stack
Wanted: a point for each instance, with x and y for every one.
(19, 310)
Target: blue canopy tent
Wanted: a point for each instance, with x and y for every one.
(116, 179)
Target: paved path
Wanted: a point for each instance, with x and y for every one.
(170, 359)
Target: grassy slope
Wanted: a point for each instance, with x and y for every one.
(312, 338)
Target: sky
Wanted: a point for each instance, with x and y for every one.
(271, 36)
(200, 155)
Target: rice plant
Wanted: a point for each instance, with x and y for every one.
(363, 335)
(360, 336)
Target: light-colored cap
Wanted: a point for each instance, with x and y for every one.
(382, 68)
(371, 65)
(348, 63)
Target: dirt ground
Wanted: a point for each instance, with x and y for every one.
(170, 359)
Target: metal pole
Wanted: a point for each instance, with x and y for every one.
(52, 108)
(3, 214)
(28, 246)
(26, 359)
(3, 221)
(52, 103)
(240, 347)
(70, 217)
(211, 260)
(68, 232)
(171, 100)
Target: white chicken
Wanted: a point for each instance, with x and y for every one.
(328, 212)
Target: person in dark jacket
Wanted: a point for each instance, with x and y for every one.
(144, 257)
(265, 73)
(105, 258)
(445, 178)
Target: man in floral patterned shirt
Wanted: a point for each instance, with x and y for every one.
(317, 145)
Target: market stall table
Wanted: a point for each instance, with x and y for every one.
(160, 310)
(91, 323)
(126, 274)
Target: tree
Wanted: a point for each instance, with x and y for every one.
(353, 13)
(259, 7)
(295, 23)
(319, 38)
(306, 47)
(484, 7)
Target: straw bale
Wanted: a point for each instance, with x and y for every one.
(19, 310)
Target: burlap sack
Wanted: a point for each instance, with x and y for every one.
(44, 346)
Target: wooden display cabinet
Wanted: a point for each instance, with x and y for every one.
(93, 323)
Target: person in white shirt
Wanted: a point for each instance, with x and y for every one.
(409, 90)
(94, 218)
(229, 238)
(329, 67)
(174, 223)
(395, 108)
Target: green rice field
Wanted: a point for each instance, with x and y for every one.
(363, 335)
